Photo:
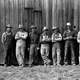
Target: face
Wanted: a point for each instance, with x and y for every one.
(8, 29)
(33, 30)
(68, 27)
(21, 29)
(55, 31)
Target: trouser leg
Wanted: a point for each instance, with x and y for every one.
(66, 52)
(45, 53)
(31, 54)
(58, 54)
(5, 56)
(22, 54)
(72, 54)
(79, 53)
(54, 54)
(35, 55)
(18, 55)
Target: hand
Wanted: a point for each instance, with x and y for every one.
(28, 49)
(37, 48)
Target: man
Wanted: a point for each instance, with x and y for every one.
(68, 37)
(78, 40)
(56, 38)
(6, 39)
(45, 39)
(34, 45)
(76, 47)
(20, 38)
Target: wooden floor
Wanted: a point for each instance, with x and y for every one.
(40, 73)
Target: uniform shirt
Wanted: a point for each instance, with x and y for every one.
(78, 37)
(7, 38)
(44, 38)
(67, 35)
(34, 38)
(21, 38)
(56, 37)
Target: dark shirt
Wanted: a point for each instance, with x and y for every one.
(34, 38)
(7, 39)
(67, 35)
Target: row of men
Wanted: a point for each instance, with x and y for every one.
(41, 42)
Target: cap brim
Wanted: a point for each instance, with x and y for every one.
(8, 27)
(33, 27)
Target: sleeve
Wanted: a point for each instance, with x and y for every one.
(3, 38)
(40, 39)
(17, 36)
(25, 35)
(64, 35)
(78, 37)
(60, 37)
(52, 37)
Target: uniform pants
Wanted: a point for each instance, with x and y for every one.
(20, 51)
(7, 55)
(45, 53)
(69, 44)
(56, 53)
(33, 53)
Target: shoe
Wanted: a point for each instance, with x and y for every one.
(73, 64)
(54, 64)
(21, 66)
(58, 65)
(30, 65)
(5, 65)
(45, 65)
(48, 61)
(65, 63)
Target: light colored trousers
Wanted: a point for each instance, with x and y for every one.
(56, 53)
(20, 51)
(45, 53)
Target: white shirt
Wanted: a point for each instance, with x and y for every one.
(21, 37)
(78, 37)
(56, 37)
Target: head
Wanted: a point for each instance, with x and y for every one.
(55, 29)
(33, 28)
(8, 28)
(45, 30)
(68, 25)
(21, 27)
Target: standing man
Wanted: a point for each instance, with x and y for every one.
(56, 38)
(6, 39)
(68, 37)
(78, 40)
(76, 47)
(20, 38)
(45, 39)
(34, 45)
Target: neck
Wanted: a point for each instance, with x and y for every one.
(8, 31)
